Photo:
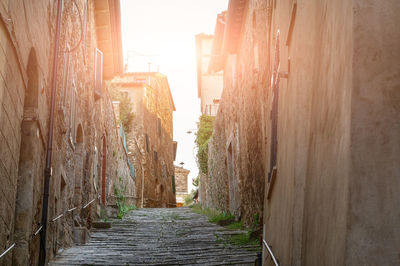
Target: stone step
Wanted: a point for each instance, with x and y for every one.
(159, 237)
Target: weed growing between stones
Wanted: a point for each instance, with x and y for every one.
(244, 239)
(221, 218)
(228, 220)
(123, 208)
(236, 226)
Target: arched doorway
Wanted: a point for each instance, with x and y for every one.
(30, 172)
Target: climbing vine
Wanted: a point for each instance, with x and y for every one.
(125, 108)
(203, 135)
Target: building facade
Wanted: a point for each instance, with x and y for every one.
(181, 185)
(150, 142)
(308, 127)
(59, 138)
(209, 84)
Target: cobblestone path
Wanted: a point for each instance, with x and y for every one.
(159, 237)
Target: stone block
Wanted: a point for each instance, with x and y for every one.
(81, 235)
(101, 224)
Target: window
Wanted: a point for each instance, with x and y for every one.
(98, 74)
(155, 156)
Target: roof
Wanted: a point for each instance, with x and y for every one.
(108, 29)
(181, 169)
(140, 78)
(234, 23)
(217, 60)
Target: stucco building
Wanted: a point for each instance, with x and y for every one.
(310, 108)
(60, 145)
(209, 84)
(150, 143)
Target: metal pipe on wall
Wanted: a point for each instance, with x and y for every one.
(47, 171)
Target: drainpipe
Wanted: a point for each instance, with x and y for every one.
(142, 183)
(47, 171)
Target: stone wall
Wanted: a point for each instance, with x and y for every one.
(181, 179)
(329, 163)
(27, 35)
(329, 125)
(236, 169)
(150, 141)
(181, 184)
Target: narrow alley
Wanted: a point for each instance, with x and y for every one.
(174, 236)
(200, 132)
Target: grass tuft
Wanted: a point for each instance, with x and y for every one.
(243, 239)
(236, 226)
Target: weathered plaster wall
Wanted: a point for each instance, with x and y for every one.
(373, 232)
(334, 199)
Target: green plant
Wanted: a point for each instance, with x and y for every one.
(103, 215)
(203, 135)
(214, 216)
(236, 226)
(243, 239)
(188, 200)
(119, 192)
(256, 219)
(195, 181)
(126, 114)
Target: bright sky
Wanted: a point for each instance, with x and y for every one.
(162, 32)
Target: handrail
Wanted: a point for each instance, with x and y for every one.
(58, 217)
(270, 252)
(7, 250)
(90, 202)
(70, 210)
(37, 231)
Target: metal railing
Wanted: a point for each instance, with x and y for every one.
(270, 252)
(38, 231)
(7, 250)
(41, 226)
(70, 210)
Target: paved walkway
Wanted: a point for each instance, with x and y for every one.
(158, 237)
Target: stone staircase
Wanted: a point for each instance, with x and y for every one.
(159, 237)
